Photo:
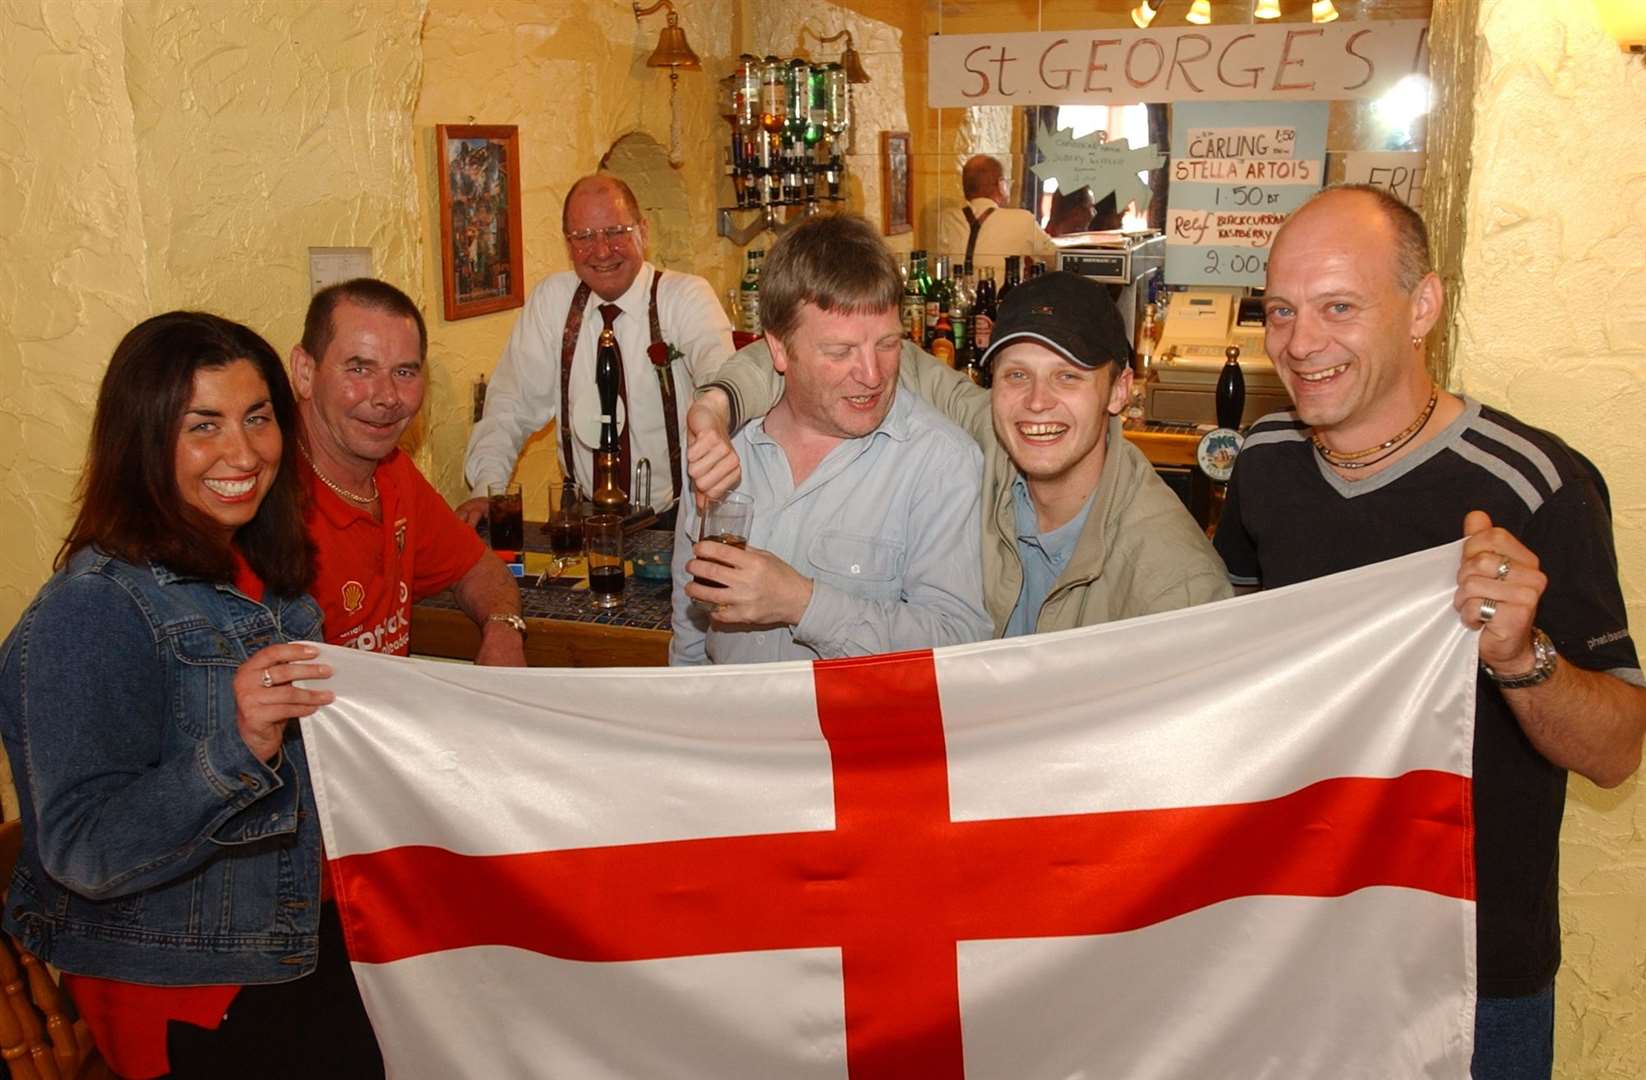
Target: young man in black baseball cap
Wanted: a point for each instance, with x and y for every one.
(1077, 527)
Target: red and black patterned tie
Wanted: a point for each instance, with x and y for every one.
(609, 313)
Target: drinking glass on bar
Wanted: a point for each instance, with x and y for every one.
(603, 544)
(504, 521)
(565, 529)
(727, 520)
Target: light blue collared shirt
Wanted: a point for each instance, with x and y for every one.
(1043, 555)
(886, 527)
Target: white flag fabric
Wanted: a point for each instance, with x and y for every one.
(1231, 842)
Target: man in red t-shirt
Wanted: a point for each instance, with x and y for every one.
(385, 537)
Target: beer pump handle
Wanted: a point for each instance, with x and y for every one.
(1231, 390)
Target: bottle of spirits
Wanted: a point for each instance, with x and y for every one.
(942, 343)
(914, 303)
(936, 298)
(961, 310)
(983, 312)
(610, 495)
(1013, 277)
(748, 295)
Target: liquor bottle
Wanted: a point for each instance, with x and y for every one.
(767, 166)
(748, 295)
(836, 123)
(960, 310)
(936, 298)
(799, 85)
(983, 312)
(609, 496)
(942, 343)
(1013, 276)
(817, 113)
(914, 302)
(774, 97)
(1036, 268)
(1145, 343)
(969, 359)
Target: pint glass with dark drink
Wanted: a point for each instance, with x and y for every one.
(504, 519)
(565, 527)
(727, 520)
(603, 543)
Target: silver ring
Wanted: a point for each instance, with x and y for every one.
(1503, 568)
(1488, 611)
(268, 679)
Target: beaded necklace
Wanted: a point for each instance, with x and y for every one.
(1356, 459)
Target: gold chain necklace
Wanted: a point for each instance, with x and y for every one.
(358, 500)
(1353, 460)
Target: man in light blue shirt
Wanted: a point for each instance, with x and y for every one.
(866, 502)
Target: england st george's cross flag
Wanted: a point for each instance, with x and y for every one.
(1232, 842)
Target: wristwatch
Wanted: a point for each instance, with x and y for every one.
(510, 618)
(1543, 665)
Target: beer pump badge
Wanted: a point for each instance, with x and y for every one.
(1216, 453)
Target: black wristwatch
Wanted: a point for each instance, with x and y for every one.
(1543, 665)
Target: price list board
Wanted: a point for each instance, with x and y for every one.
(1237, 169)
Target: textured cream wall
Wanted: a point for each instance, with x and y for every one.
(175, 153)
(73, 269)
(1551, 323)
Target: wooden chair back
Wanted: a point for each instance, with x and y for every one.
(38, 1039)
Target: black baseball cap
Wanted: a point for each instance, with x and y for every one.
(1069, 314)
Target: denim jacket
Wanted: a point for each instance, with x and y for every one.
(157, 848)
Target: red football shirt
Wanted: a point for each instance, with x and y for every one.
(368, 572)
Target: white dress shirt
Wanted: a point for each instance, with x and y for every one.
(524, 393)
(1007, 231)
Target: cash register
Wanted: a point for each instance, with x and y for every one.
(1201, 323)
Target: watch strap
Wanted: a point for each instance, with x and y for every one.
(1543, 665)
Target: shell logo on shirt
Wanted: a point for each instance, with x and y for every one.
(354, 596)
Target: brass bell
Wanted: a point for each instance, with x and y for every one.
(672, 50)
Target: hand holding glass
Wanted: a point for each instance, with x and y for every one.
(727, 520)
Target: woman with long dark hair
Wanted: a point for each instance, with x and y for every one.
(171, 862)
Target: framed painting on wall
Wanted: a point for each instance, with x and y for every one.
(896, 183)
(480, 252)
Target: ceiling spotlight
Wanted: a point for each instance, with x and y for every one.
(1323, 11)
(1143, 14)
(1200, 12)
(1266, 9)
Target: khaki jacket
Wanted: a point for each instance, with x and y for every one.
(1140, 552)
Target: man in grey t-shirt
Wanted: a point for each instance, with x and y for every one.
(866, 526)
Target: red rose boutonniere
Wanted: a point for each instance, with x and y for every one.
(662, 354)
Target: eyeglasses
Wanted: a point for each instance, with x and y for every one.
(611, 234)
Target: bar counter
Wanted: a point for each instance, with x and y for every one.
(563, 627)
(564, 630)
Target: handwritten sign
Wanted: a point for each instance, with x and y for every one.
(1093, 162)
(1284, 62)
(1399, 172)
(1245, 166)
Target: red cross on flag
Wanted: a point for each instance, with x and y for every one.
(1233, 841)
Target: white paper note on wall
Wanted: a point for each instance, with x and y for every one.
(330, 265)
